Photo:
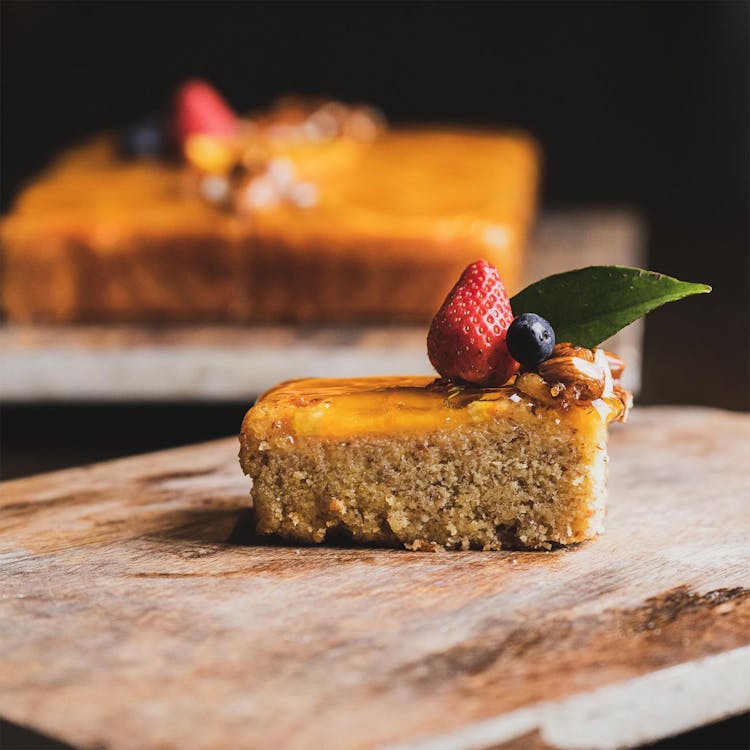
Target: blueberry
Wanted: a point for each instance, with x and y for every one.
(143, 138)
(530, 339)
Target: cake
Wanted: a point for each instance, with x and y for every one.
(507, 448)
(313, 211)
(430, 464)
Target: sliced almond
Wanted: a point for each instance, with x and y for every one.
(601, 359)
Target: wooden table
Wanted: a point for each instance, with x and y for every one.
(223, 362)
(138, 612)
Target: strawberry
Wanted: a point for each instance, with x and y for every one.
(467, 336)
(200, 109)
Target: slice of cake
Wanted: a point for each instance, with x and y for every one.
(507, 449)
(428, 464)
(311, 212)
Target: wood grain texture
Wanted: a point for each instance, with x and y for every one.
(137, 611)
(239, 362)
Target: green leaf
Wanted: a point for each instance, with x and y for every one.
(588, 305)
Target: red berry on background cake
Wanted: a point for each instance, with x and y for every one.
(199, 109)
(467, 336)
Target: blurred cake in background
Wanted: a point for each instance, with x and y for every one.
(310, 211)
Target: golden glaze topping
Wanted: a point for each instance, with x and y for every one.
(382, 405)
(575, 375)
(339, 407)
(395, 186)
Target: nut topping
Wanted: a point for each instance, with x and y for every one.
(616, 364)
(600, 358)
(533, 385)
(584, 380)
(626, 397)
(313, 120)
(576, 375)
(238, 171)
(566, 349)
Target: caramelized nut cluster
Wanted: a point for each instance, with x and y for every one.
(244, 179)
(296, 118)
(577, 375)
(267, 184)
(240, 174)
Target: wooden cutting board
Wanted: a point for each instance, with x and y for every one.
(138, 612)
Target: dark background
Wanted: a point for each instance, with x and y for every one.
(643, 105)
